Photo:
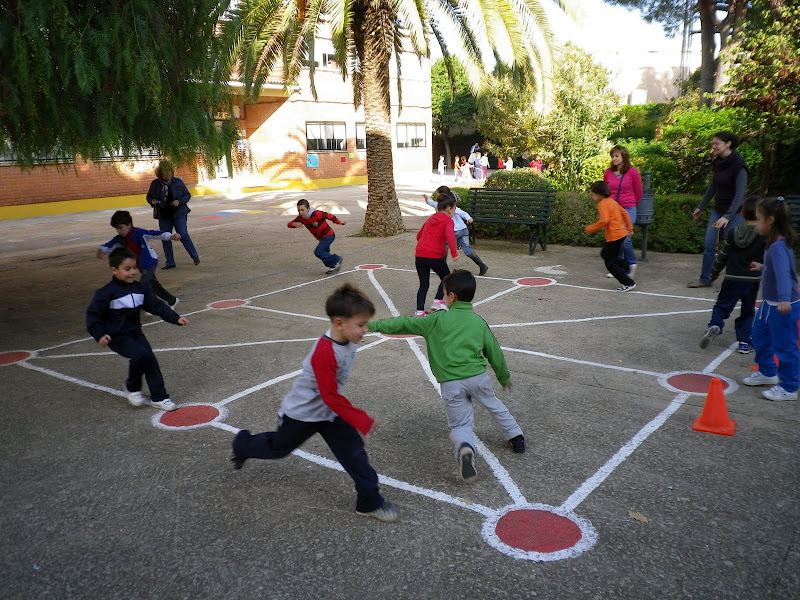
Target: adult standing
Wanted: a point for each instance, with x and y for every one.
(727, 187)
(509, 164)
(625, 183)
(169, 198)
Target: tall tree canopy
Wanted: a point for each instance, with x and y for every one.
(266, 34)
(96, 77)
(452, 102)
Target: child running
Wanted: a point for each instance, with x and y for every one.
(458, 340)
(431, 252)
(742, 246)
(314, 405)
(775, 328)
(615, 220)
(136, 240)
(316, 222)
(461, 219)
(113, 320)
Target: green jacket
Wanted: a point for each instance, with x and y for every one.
(457, 340)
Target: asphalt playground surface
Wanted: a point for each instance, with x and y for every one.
(616, 497)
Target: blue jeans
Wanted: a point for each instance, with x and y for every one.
(322, 251)
(179, 223)
(729, 294)
(142, 362)
(776, 334)
(343, 440)
(462, 239)
(713, 235)
(626, 251)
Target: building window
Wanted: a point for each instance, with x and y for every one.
(361, 136)
(411, 135)
(321, 137)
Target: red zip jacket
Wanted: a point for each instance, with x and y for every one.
(437, 230)
(316, 223)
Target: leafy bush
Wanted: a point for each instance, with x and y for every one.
(641, 121)
(672, 230)
(518, 179)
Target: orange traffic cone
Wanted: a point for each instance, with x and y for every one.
(714, 418)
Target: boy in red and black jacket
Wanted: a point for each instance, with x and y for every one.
(316, 221)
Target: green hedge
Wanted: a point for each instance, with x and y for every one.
(672, 230)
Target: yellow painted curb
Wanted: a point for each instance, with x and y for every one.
(41, 209)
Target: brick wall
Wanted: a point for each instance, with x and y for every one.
(82, 180)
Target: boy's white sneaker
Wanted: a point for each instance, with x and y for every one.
(466, 459)
(420, 313)
(712, 332)
(758, 378)
(386, 513)
(135, 398)
(438, 305)
(626, 288)
(165, 404)
(778, 394)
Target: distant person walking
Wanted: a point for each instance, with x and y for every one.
(625, 184)
(170, 201)
(727, 187)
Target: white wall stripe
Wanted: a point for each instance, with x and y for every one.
(583, 362)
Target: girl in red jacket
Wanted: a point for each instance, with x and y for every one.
(431, 252)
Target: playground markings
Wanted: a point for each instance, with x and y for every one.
(522, 530)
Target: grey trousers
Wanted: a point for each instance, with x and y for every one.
(458, 396)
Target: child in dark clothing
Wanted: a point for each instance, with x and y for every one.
(316, 222)
(113, 320)
(314, 405)
(742, 246)
(135, 239)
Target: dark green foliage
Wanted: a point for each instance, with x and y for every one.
(95, 78)
(641, 121)
(520, 179)
(672, 230)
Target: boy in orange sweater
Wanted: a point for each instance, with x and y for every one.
(615, 220)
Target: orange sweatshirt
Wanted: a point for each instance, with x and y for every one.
(613, 218)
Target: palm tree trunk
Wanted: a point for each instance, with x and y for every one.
(383, 216)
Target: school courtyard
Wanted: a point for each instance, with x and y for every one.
(616, 497)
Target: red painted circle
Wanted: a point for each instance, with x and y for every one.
(695, 383)
(533, 530)
(534, 281)
(228, 304)
(188, 416)
(371, 267)
(7, 358)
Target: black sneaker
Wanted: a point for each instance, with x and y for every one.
(709, 335)
(466, 456)
(238, 463)
(517, 444)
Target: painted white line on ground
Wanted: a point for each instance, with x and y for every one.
(603, 318)
(497, 295)
(583, 362)
(482, 276)
(223, 426)
(583, 287)
(426, 367)
(500, 473)
(57, 375)
(258, 387)
(383, 294)
(285, 312)
(401, 485)
(588, 486)
(86, 339)
(299, 285)
(718, 361)
(210, 347)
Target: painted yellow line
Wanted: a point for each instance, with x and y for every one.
(41, 209)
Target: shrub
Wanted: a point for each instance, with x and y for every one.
(523, 178)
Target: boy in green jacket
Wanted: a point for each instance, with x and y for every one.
(458, 340)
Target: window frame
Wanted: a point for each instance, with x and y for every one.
(329, 144)
(404, 141)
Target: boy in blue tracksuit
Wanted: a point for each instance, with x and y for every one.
(460, 221)
(112, 319)
(135, 239)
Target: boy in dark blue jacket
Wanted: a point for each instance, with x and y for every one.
(741, 247)
(113, 320)
(135, 239)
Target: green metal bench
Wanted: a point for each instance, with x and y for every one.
(794, 204)
(518, 207)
